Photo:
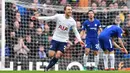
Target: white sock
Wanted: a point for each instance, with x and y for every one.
(112, 60)
(96, 59)
(85, 58)
(105, 56)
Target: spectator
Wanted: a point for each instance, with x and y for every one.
(36, 22)
(78, 25)
(123, 14)
(18, 17)
(94, 7)
(20, 49)
(105, 17)
(21, 53)
(122, 3)
(127, 27)
(115, 5)
(63, 2)
(111, 6)
(9, 14)
(35, 5)
(10, 41)
(127, 18)
(128, 23)
(29, 44)
(42, 53)
(37, 40)
(98, 2)
(18, 30)
(46, 35)
(41, 24)
(103, 4)
(30, 29)
(22, 10)
(118, 20)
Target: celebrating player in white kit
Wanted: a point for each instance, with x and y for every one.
(64, 22)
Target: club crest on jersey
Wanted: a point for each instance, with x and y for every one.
(95, 24)
(63, 27)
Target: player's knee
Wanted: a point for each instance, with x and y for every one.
(58, 55)
(96, 53)
(50, 55)
(86, 53)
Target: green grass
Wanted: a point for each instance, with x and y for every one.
(65, 72)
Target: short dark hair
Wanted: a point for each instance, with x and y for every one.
(90, 11)
(67, 5)
(126, 30)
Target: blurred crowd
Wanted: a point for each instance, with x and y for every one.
(31, 38)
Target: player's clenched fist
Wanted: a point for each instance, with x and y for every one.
(82, 43)
(33, 18)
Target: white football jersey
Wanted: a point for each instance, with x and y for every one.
(63, 25)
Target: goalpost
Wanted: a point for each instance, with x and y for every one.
(17, 26)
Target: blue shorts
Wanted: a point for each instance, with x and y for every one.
(92, 43)
(105, 43)
(58, 46)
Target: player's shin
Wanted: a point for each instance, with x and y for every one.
(85, 59)
(52, 63)
(112, 61)
(96, 59)
(105, 56)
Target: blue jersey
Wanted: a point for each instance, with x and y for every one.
(112, 31)
(105, 37)
(91, 28)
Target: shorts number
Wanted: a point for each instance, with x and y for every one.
(97, 46)
(64, 47)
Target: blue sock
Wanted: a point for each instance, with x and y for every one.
(52, 62)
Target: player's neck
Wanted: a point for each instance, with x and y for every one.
(91, 19)
(67, 16)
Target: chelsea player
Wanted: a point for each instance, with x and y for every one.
(91, 26)
(106, 40)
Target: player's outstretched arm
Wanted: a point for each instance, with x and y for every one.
(82, 33)
(77, 35)
(45, 18)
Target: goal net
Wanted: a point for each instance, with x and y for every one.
(33, 37)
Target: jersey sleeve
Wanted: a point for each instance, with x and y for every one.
(120, 31)
(99, 24)
(84, 25)
(76, 31)
(48, 18)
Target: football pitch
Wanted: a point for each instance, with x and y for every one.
(65, 72)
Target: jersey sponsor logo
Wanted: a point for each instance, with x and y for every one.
(63, 28)
(93, 28)
(88, 25)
